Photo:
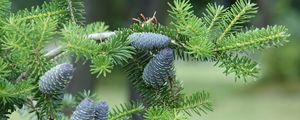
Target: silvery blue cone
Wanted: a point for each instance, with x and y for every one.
(148, 41)
(56, 79)
(84, 111)
(159, 68)
(101, 111)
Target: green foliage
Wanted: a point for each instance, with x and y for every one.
(13, 95)
(101, 66)
(200, 48)
(238, 14)
(193, 27)
(4, 7)
(77, 43)
(255, 39)
(104, 55)
(183, 18)
(164, 114)
(51, 9)
(48, 106)
(61, 10)
(24, 36)
(242, 67)
(218, 33)
(68, 101)
(75, 9)
(218, 36)
(23, 42)
(86, 94)
(213, 15)
(125, 111)
(117, 48)
(4, 70)
(198, 102)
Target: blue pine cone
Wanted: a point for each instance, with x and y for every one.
(148, 41)
(101, 111)
(84, 111)
(56, 79)
(159, 68)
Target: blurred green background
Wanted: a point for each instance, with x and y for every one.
(274, 96)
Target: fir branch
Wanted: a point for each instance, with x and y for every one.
(101, 66)
(76, 10)
(9, 91)
(4, 69)
(56, 9)
(200, 48)
(181, 54)
(69, 101)
(47, 29)
(86, 94)
(77, 43)
(114, 51)
(22, 35)
(40, 15)
(241, 67)
(85, 49)
(5, 6)
(125, 111)
(19, 42)
(239, 13)
(15, 31)
(96, 27)
(70, 7)
(48, 9)
(180, 10)
(13, 95)
(198, 102)
(184, 21)
(48, 106)
(118, 49)
(164, 114)
(49, 56)
(213, 15)
(255, 39)
(38, 68)
(26, 33)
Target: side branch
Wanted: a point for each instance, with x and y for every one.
(126, 113)
(53, 13)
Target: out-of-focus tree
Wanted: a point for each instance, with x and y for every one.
(282, 64)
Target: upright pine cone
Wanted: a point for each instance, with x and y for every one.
(101, 111)
(148, 41)
(56, 79)
(159, 68)
(84, 111)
